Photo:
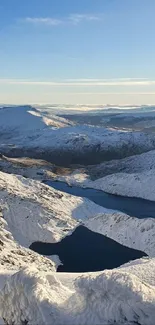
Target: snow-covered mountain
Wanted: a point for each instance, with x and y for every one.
(24, 131)
(27, 119)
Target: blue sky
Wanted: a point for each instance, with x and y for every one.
(85, 51)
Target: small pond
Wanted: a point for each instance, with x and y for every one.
(87, 251)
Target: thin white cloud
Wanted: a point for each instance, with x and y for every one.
(77, 18)
(114, 93)
(43, 21)
(82, 83)
(71, 19)
(109, 79)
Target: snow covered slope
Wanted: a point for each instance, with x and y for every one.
(128, 231)
(137, 178)
(133, 164)
(25, 132)
(26, 119)
(122, 296)
(140, 185)
(14, 257)
(36, 212)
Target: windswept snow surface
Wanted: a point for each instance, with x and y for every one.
(122, 296)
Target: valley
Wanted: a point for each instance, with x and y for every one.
(77, 213)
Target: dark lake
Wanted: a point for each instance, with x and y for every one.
(87, 251)
(134, 207)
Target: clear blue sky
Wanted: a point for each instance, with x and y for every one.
(77, 51)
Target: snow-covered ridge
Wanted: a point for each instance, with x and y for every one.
(121, 296)
(27, 119)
